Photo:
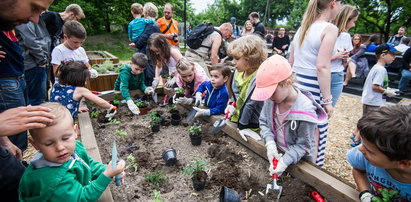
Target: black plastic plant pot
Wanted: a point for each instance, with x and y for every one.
(174, 111)
(162, 118)
(195, 139)
(199, 182)
(229, 195)
(175, 119)
(155, 128)
(170, 157)
(179, 95)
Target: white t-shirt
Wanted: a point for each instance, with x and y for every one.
(378, 75)
(62, 54)
(342, 43)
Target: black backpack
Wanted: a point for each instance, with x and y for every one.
(199, 33)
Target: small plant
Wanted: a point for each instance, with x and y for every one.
(152, 115)
(198, 164)
(116, 100)
(195, 130)
(180, 90)
(132, 162)
(114, 122)
(173, 107)
(387, 195)
(141, 104)
(121, 133)
(94, 114)
(157, 178)
(155, 120)
(165, 76)
(157, 196)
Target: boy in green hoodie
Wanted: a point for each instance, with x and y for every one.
(62, 170)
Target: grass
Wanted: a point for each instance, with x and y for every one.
(114, 43)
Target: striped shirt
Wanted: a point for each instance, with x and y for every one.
(136, 27)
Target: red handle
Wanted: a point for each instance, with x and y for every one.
(95, 92)
(226, 114)
(317, 197)
(275, 162)
(165, 98)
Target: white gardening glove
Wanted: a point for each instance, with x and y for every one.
(272, 151)
(390, 92)
(366, 197)
(149, 91)
(201, 112)
(133, 107)
(170, 83)
(155, 82)
(198, 99)
(280, 167)
(250, 133)
(184, 101)
(231, 111)
(110, 113)
(93, 73)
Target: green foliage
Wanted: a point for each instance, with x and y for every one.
(141, 104)
(157, 178)
(198, 164)
(114, 122)
(386, 194)
(121, 133)
(132, 162)
(165, 76)
(94, 114)
(155, 120)
(173, 107)
(116, 100)
(180, 90)
(157, 196)
(195, 130)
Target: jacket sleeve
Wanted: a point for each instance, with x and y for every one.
(201, 88)
(141, 41)
(406, 59)
(266, 122)
(221, 104)
(251, 107)
(97, 168)
(304, 143)
(142, 86)
(124, 85)
(31, 42)
(129, 31)
(359, 53)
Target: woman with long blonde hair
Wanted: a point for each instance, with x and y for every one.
(310, 57)
(247, 29)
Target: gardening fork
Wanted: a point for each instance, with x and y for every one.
(274, 185)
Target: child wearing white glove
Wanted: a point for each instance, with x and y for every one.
(289, 117)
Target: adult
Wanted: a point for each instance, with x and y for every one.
(189, 30)
(35, 42)
(259, 28)
(169, 26)
(345, 20)
(150, 11)
(210, 47)
(372, 43)
(405, 72)
(281, 42)
(404, 45)
(396, 39)
(236, 30)
(247, 29)
(310, 56)
(14, 120)
(357, 62)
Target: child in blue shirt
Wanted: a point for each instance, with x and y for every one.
(216, 92)
(382, 163)
(137, 25)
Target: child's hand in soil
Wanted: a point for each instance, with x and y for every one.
(83, 109)
(119, 169)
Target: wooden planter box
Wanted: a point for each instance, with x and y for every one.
(98, 57)
(102, 83)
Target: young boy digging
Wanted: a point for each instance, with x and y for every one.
(216, 92)
(62, 170)
(131, 77)
(382, 163)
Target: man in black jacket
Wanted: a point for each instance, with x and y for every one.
(258, 25)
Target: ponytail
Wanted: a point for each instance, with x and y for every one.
(314, 9)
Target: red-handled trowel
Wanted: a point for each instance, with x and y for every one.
(274, 186)
(220, 123)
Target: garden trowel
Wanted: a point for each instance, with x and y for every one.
(274, 186)
(220, 123)
(193, 112)
(114, 159)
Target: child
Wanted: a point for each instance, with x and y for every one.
(137, 25)
(70, 89)
(376, 84)
(190, 76)
(382, 163)
(71, 50)
(216, 91)
(62, 170)
(289, 117)
(131, 77)
(248, 53)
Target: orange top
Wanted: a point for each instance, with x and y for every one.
(163, 24)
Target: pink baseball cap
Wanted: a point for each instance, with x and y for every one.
(271, 72)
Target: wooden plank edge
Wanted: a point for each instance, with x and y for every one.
(89, 141)
(326, 183)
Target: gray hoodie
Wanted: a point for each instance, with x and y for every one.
(300, 132)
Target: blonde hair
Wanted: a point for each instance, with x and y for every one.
(227, 26)
(184, 64)
(76, 10)
(292, 77)
(150, 10)
(244, 31)
(314, 9)
(251, 47)
(59, 112)
(346, 14)
(137, 8)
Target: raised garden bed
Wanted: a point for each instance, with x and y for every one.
(99, 57)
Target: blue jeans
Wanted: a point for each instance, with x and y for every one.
(337, 81)
(36, 85)
(13, 94)
(405, 78)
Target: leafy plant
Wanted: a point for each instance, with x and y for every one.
(165, 76)
(173, 107)
(198, 164)
(386, 194)
(132, 162)
(195, 130)
(157, 196)
(180, 90)
(94, 114)
(114, 122)
(121, 133)
(155, 121)
(141, 104)
(116, 100)
(157, 178)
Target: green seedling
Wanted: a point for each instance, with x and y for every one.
(180, 90)
(195, 130)
(116, 100)
(121, 133)
(94, 114)
(157, 178)
(157, 196)
(173, 107)
(198, 164)
(165, 76)
(114, 122)
(132, 162)
(386, 194)
(155, 121)
(141, 104)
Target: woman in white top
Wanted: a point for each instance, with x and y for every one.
(310, 56)
(345, 20)
(247, 29)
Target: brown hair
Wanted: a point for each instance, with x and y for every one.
(59, 112)
(251, 47)
(254, 15)
(137, 8)
(76, 10)
(224, 70)
(346, 14)
(184, 64)
(73, 28)
(158, 41)
(140, 60)
(73, 73)
(357, 46)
